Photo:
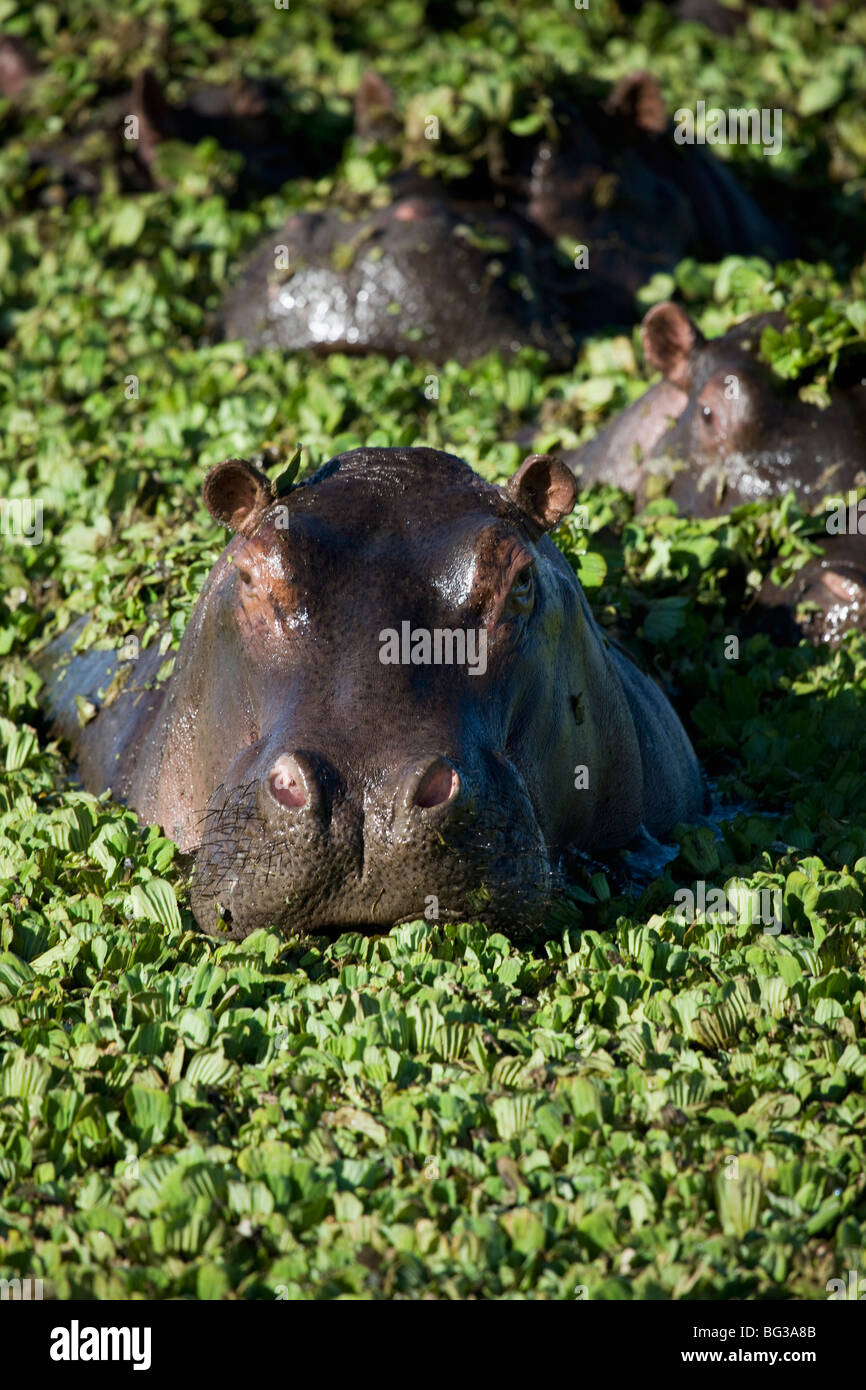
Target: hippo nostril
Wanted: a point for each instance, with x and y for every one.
(438, 783)
(287, 783)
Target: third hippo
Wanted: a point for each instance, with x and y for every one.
(721, 429)
(322, 786)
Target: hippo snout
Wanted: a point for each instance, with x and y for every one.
(306, 843)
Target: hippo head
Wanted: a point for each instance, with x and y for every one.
(382, 697)
(742, 431)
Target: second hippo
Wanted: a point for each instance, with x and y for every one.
(720, 429)
(545, 241)
(427, 276)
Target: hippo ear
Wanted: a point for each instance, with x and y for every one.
(669, 338)
(544, 488)
(638, 99)
(375, 103)
(237, 494)
(156, 118)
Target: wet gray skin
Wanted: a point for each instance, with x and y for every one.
(721, 429)
(459, 270)
(826, 598)
(426, 276)
(320, 788)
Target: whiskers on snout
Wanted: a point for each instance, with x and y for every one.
(255, 869)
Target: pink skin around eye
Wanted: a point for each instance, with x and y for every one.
(713, 422)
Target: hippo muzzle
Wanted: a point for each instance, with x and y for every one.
(296, 842)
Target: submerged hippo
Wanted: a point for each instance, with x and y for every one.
(725, 18)
(825, 599)
(255, 120)
(615, 181)
(427, 276)
(546, 241)
(721, 429)
(322, 747)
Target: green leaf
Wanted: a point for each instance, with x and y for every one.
(155, 901)
(149, 1112)
(665, 618)
(20, 749)
(284, 483)
(23, 1075)
(819, 93)
(127, 224)
(209, 1068)
(591, 569)
(739, 1195)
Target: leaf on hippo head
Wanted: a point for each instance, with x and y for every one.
(285, 481)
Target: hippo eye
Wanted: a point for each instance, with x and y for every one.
(522, 587)
(707, 413)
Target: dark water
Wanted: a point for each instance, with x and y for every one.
(630, 871)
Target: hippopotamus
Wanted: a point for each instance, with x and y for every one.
(252, 119)
(615, 181)
(427, 276)
(721, 429)
(544, 243)
(825, 599)
(391, 701)
(723, 18)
